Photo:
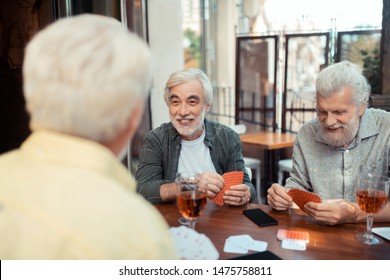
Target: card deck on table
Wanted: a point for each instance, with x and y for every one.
(293, 239)
(293, 234)
(231, 179)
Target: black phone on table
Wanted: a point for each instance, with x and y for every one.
(260, 217)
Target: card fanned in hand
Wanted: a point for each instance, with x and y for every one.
(231, 179)
(301, 197)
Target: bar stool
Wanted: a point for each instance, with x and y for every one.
(284, 165)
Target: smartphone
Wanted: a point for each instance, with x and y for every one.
(259, 217)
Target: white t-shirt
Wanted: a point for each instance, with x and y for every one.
(195, 156)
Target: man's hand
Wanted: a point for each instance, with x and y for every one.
(213, 182)
(334, 211)
(237, 195)
(278, 198)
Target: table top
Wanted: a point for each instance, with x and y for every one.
(269, 140)
(326, 242)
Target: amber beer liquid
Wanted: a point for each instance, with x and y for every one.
(371, 201)
(191, 203)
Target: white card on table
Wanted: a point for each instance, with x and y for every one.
(294, 244)
(230, 247)
(257, 245)
(240, 244)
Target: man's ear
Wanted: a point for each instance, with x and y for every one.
(362, 108)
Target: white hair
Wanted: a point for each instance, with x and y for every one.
(83, 75)
(189, 75)
(343, 74)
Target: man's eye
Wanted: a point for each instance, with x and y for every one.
(321, 113)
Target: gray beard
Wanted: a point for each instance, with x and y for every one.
(191, 130)
(349, 132)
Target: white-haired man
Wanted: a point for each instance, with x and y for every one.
(64, 193)
(190, 142)
(346, 139)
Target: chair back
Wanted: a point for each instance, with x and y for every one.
(239, 128)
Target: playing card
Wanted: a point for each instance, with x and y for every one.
(257, 245)
(293, 244)
(301, 197)
(231, 179)
(240, 244)
(293, 234)
(191, 245)
(231, 247)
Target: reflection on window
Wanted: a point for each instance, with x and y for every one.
(192, 33)
(306, 55)
(256, 82)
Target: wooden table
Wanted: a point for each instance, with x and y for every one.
(326, 242)
(271, 142)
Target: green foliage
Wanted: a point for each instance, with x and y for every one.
(192, 54)
(371, 68)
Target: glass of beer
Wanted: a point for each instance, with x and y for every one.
(191, 200)
(371, 195)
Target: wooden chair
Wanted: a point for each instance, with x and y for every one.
(284, 165)
(251, 163)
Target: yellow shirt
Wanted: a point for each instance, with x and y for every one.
(63, 197)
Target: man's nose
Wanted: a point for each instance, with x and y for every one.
(184, 109)
(330, 120)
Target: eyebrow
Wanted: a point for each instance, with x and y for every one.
(332, 111)
(196, 97)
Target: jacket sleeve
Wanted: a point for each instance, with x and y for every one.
(150, 173)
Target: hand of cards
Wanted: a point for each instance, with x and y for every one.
(231, 179)
(300, 197)
(191, 245)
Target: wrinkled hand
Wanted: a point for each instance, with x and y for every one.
(333, 211)
(278, 198)
(237, 195)
(213, 182)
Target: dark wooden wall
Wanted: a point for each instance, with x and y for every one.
(19, 21)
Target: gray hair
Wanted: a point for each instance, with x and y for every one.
(343, 74)
(188, 75)
(83, 76)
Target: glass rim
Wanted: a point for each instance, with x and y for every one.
(368, 176)
(194, 175)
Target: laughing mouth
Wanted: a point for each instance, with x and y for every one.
(184, 121)
(334, 130)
